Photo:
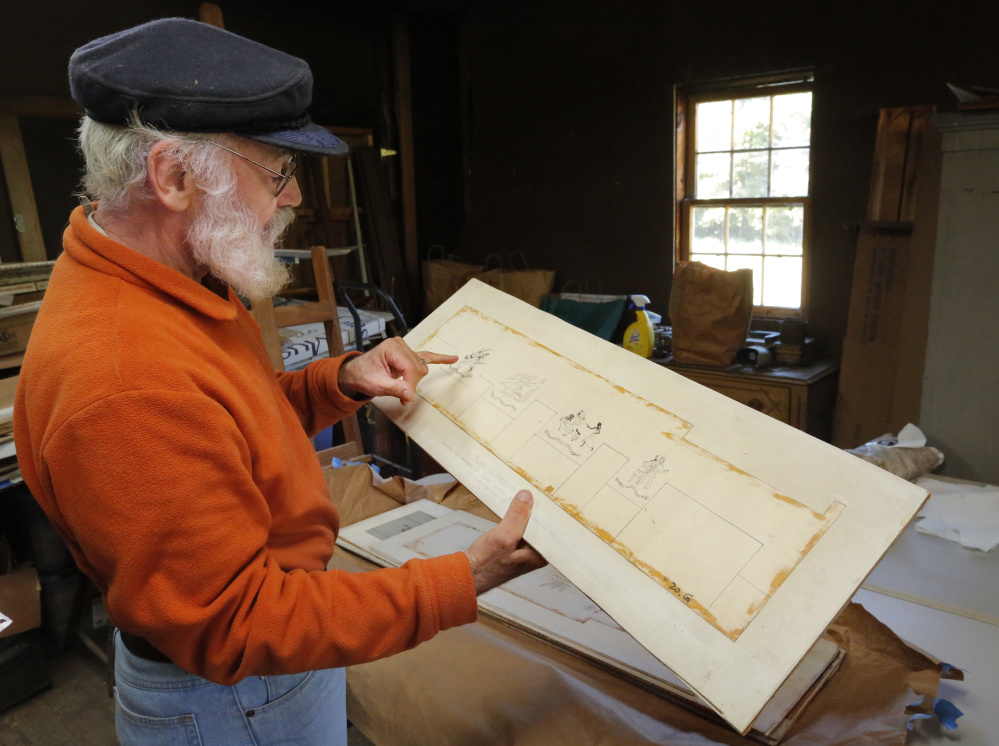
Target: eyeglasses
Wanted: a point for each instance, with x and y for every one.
(288, 172)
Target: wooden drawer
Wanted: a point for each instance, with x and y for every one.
(771, 399)
(801, 397)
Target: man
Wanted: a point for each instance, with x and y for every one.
(168, 454)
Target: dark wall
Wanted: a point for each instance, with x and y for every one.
(570, 137)
(571, 120)
(37, 38)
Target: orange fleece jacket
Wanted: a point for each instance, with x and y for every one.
(176, 465)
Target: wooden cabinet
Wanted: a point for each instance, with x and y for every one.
(802, 397)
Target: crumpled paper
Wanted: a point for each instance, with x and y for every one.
(906, 455)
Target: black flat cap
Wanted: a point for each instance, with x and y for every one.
(186, 76)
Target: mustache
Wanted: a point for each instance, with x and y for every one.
(279, 223)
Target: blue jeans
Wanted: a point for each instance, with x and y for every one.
(160, 704)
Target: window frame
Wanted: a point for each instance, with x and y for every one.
(687, 97)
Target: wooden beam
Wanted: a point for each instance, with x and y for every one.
(893, 176)
(304, 313)
(385, 252)
(211, 14)
(22, 196)
(404, 122)
(327, 297)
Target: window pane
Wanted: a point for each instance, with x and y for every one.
(790, 174)
(752, 123)
(785, 230)
(754, 263)
(714, 126)
(708, 225)
(745, 230)
(782, 283)
(712, 260)
(713, 176)
(793, 120)
(750, 174)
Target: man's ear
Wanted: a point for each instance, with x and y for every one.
(171, 184)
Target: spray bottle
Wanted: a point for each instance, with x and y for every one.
(640, 336)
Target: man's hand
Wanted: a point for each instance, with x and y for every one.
(501, 553)
(390, 369)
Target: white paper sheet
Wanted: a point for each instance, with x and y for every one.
(966, 514)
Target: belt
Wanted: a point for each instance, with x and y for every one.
(141, 647)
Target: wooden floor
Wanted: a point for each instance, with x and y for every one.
(78, 710)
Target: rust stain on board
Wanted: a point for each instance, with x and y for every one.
(828, 519)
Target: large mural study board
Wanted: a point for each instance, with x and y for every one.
(722, 540)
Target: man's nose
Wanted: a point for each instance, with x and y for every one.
(291, 195)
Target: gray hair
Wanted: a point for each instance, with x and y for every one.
(117, 161)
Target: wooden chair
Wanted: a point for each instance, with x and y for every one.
(270, 318)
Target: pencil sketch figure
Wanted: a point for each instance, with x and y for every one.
(567, 432)
(591, 436)
(566, 424)
(467, 364)
(648, 471)
(520, 387)
(577, 425)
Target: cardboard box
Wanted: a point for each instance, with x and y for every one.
(870, 350)
(881, 376)
(20, 600)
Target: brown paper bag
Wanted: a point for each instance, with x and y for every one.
(359, 494)
(530, 285)
(710, 310)
(443, 277)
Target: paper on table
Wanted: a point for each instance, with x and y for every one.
(966, 514)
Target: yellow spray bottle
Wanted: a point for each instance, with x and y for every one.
(640, 336)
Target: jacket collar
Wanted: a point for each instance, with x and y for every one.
(93, 249)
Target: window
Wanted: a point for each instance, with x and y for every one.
(743, 186)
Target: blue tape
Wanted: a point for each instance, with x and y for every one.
(943, 709)
(946, 713)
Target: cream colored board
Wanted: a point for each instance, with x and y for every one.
(673, 560)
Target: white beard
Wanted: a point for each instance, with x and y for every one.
(226, 238)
